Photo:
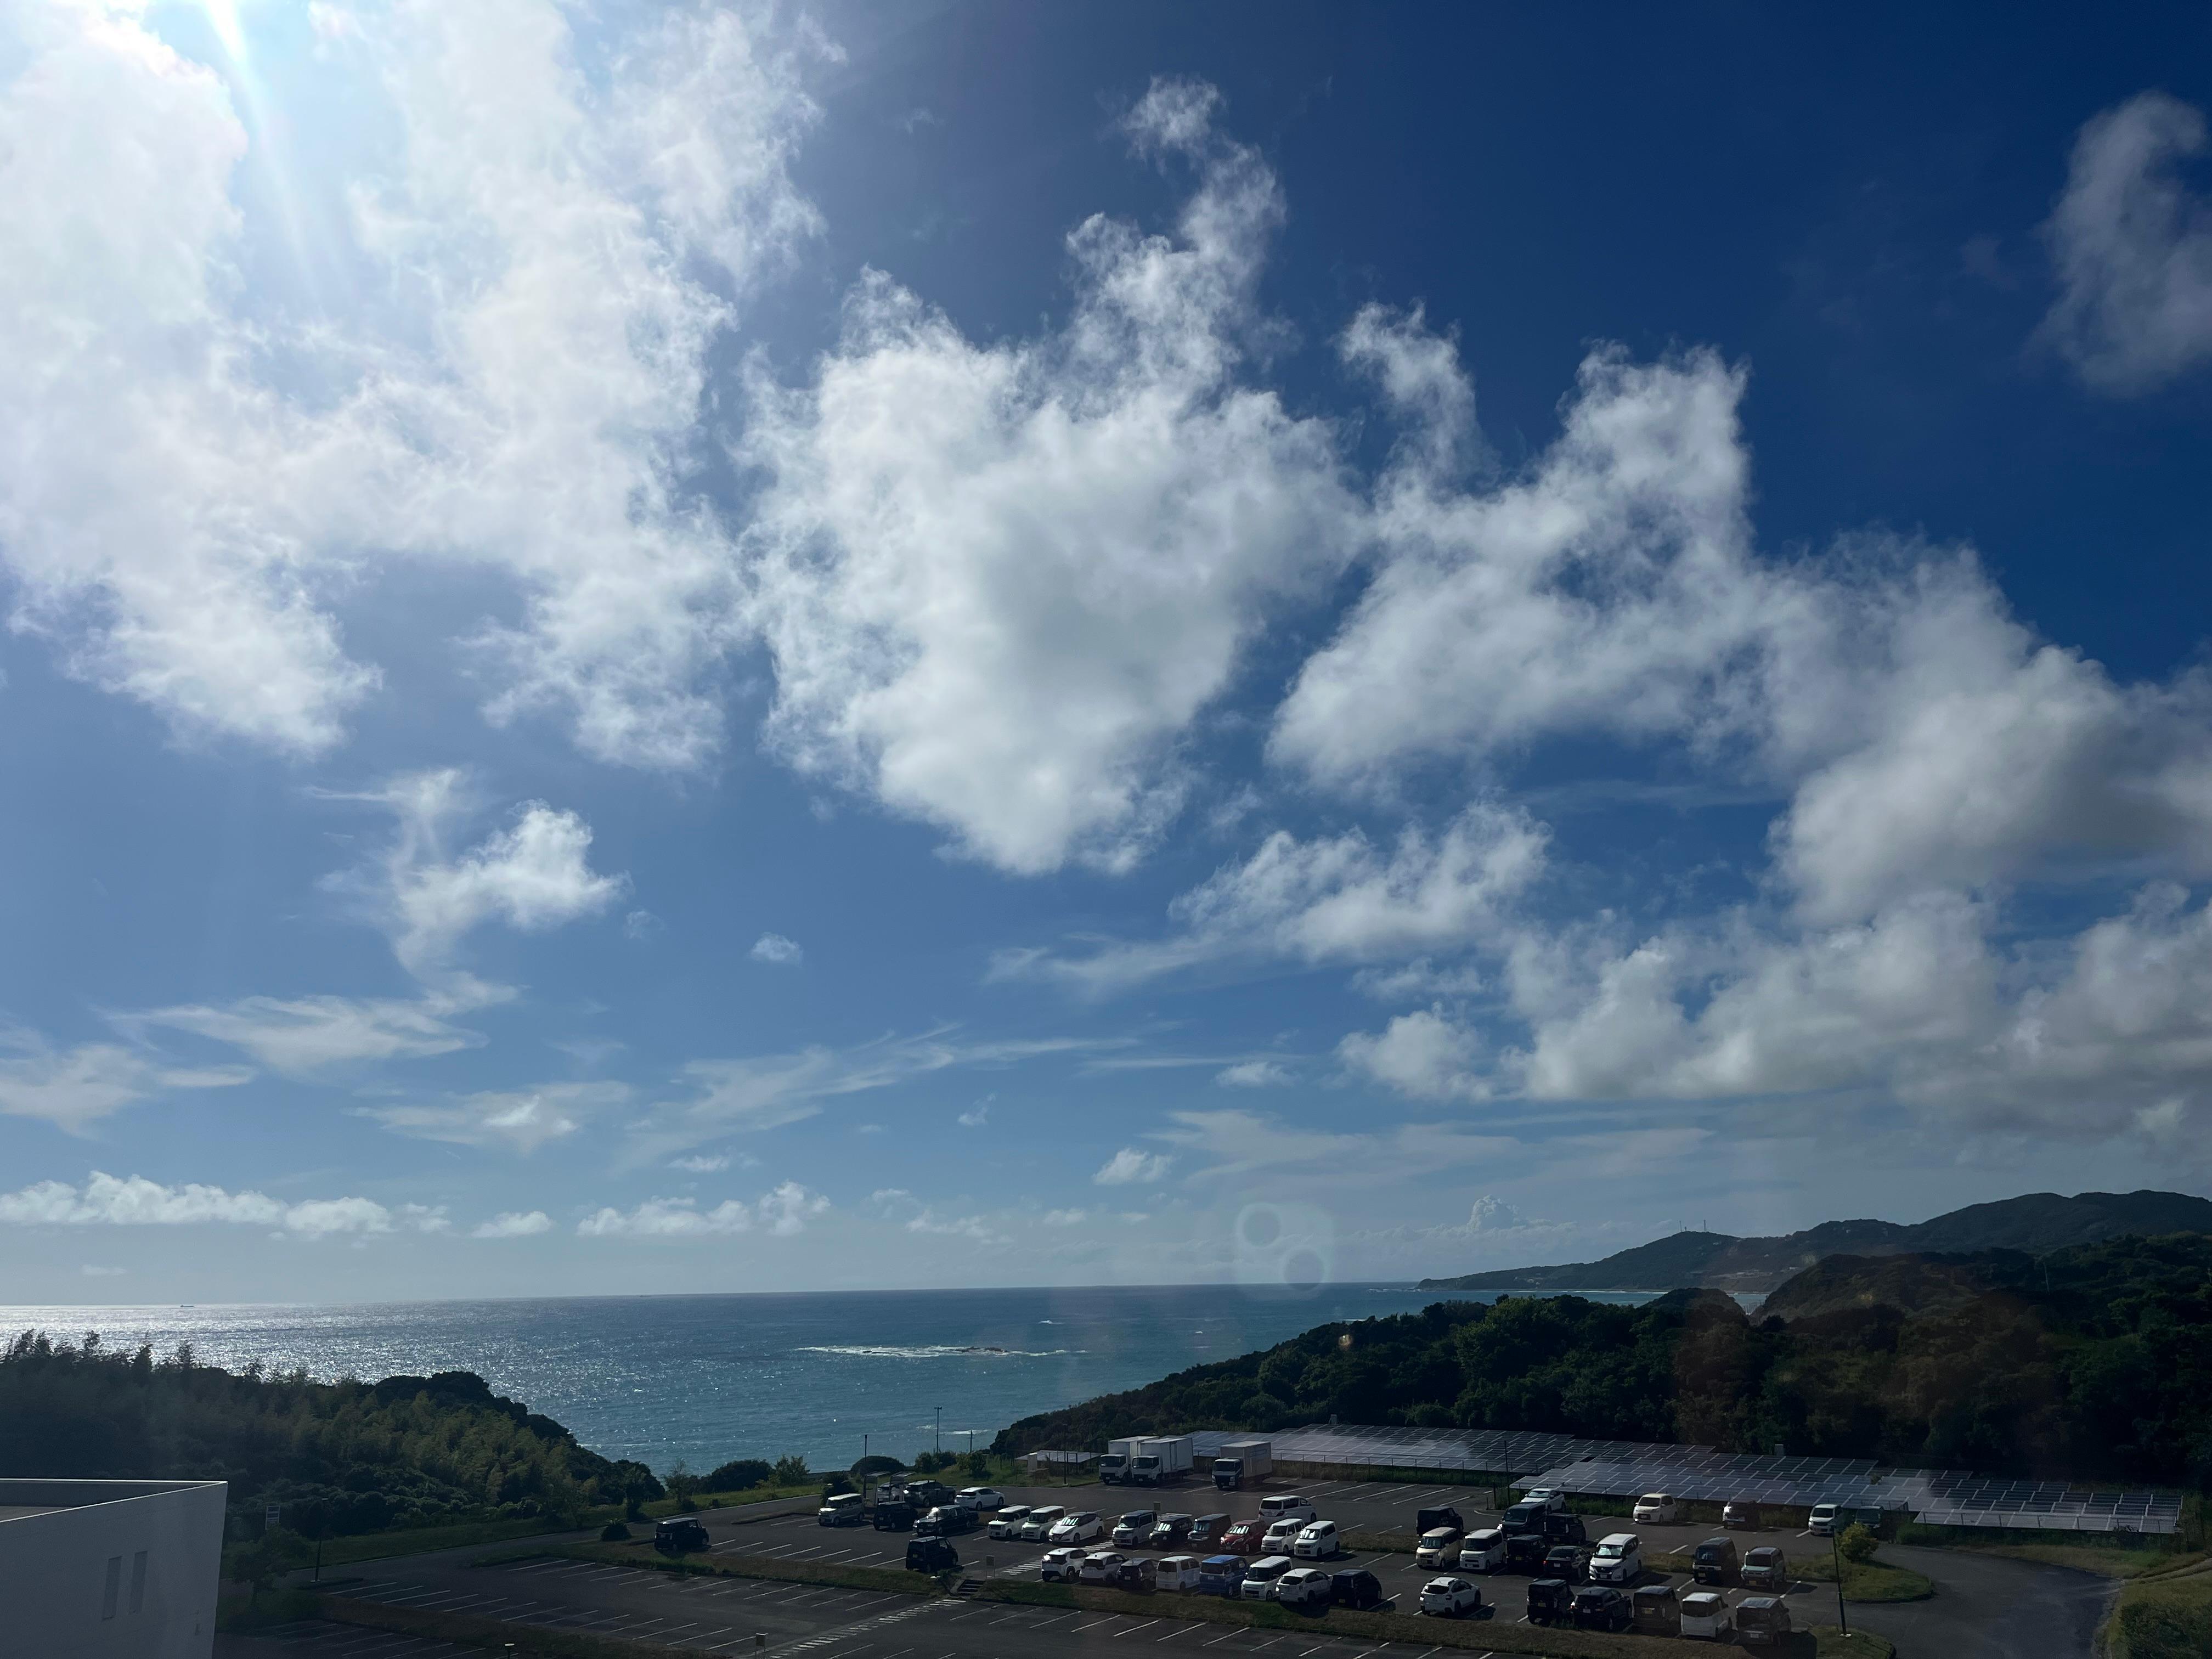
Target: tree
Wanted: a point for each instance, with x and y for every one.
(791, 1470)
(1857, 1543)
(740, 1475)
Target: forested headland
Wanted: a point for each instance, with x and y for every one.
(2090, 1364)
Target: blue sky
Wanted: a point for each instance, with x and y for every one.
(720, 649)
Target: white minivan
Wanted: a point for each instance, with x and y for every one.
(1041, 1519)
(1653, 1508)
(1260, 1577)
(1619, 1560)
(1317, 1542)
(1178, 1572)
(1826, 1518)
(1484, 1551)
(1288, 1507)
(1704, 1613)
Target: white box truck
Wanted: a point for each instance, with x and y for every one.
(1242, 1463)
(1114, 1467)
(1160, 1461)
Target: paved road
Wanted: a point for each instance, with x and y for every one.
(1987, 1608)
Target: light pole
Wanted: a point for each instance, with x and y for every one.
(1836, 1555)
(940, 1428)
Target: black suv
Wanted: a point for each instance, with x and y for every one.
(1525, 1551)
(1714, 1562)
(932, 1555)
(945, 1520)
(1566, 1530)
(1524, 1517)
(1355, 1589)
(678, 1535)
(1551, 1601)
(1429, 1520)
(893, 1515)
(1601, 1606)
(1567, 1561)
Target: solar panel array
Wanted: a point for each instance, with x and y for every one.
(1955, 1498)
(1494, 1451)
(1719, 1477)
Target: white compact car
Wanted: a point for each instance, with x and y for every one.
(1041, 1520)
(1619, 1560)
(1705, 1614)
(1178, 1572)
(1280, 1537)
(1652, 1509)
(1300, 1586)
(1550, 1497)
(1133, 1528)
(1450, 1598)
(1483, 1551)
(1317, 1541)
(1438, 1546)
(1288, 1507)
(980, 1497)
(1061, 1567)
(1007, 1522)
(1102, 1567)
(1075, 1528)
(1260, 1577)
(1826, 1518)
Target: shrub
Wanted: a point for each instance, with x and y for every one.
(791, 1471)
(876, 1465)
(1857, 1543)
(930, 1462)
(976, 1464)
(687, 1505)
(740, 1475)
(614, 1532)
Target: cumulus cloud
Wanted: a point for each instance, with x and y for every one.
(515, 1119)
(782, 1211)
(700, 1163)
(75, 1088)
(513, 1225)
(977, 1116)
(999, 582)
(1425, 1053)
(1064, 1218)
(1255, 1074)
(105, 1200)
(775, 948)
(910, 1213)
(1131, 1166)
(2132, 243)
(557, 233)
(1327, 900)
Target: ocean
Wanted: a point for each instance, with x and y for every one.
(707, 1379)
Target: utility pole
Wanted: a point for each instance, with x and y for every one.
(1836, 1555)
(940, 1428)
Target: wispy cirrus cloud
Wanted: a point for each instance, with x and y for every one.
(75, 1088)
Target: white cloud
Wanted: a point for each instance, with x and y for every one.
(107, 1201)
(915, 1216)
(2133, 245)
(775, 948)
(1419, 979)
(700, 1163)
(1332, 899)
(999, 582)
(513, 1225)
(1425, 1053)
(298, 1035)
(503, 368)
(1130, 1166)
(90, 1271)
(75, 1088)
(1064, 1218)
(516, 1120)
(977, 1116)
(1238, 1144)
(642, 925)
(783, 1212)
(1255, 1074)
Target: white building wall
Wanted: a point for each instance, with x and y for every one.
(127, 1570)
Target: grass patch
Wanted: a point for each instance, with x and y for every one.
(2163, 1616)
(1830, 1642)
(2106, 1563)
(1866, 1581)
(419, 1541)
(499, 1635)
(282, 1607)
(895, 1581)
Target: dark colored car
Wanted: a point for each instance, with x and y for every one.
(1524, 1517)
(679, 1535)
(1761, 1620)
(1169, 1530)
(1765, 1568)
(893, 1515)
(944, 1521)
(1430, 1520)
(1551, 1601)
(932, 1555)
(1140, 1573)
(928, 1494)
(1738, 1513)
(1655, 1610)
(1714, 1562)
(1524, 1552)
(1243, 1538)
(1567, 1561)
(1566, 1528)
(1601, 1606)
(1355, 1589)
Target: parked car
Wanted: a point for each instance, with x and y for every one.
(1101, 1566)
(1140, 1574)
(1653, 1508)
(1288, 1507)
(1207, 1529)
(1523, 1516)
(1179, 1573)
(1317, 1541)
(893, 1515)
(1569, 1561)
(1655, 1610)
(1134, 1528)
(1301, 1587)
(982, 1498)
(1080, 1528)
(1451, 1597)
(1566, 1530)
(1525, 1552)
(1061, 1566)
(1243, 1538)
(1740, 1512)
(944, 1521)
(1619, 1560)
(1761, 1620)
(846, 1508)
(932, 1555)
(1007, 1522)
(1552, 1497)
(1825, 1519)
(1279, 1538)
(1221, 1575)
(1429, 1520)
(1039, 1522)
(1551, 1601)
(679, 1535)
(1765, 1568)
(1483, 1551)
(1260, 1576)
(1170, 1529)
(1714, 1562)
(1438, 1545)
(927, 1495)
(1601, 1606)
(1705, 1614)
(1356, 1586)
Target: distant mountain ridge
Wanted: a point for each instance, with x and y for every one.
(2034, 1222)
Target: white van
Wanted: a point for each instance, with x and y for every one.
(1288, 1507)
(1826, 1518)
(1704, 1613)
(1318, 1542)
(1484, 1551)
(1619, 1560)
(1178, 1572)
(1041, 1521)
(1260, 1577)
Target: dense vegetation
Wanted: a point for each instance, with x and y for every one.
(2091, 1363)
(342, 1457)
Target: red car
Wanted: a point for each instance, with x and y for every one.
(1244, 1538)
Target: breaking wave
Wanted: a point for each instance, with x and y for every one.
(937, 1350)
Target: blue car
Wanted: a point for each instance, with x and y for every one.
(1221, 1575)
